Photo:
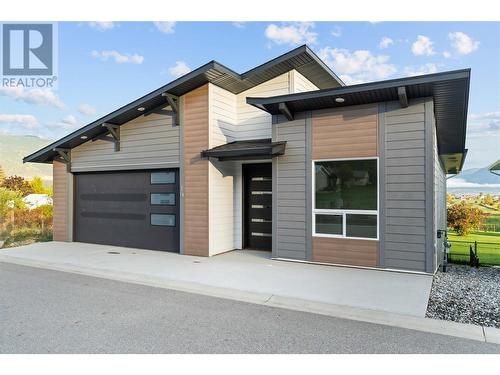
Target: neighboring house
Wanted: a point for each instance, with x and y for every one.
(284, 157)
(37, 200)
(495, 168)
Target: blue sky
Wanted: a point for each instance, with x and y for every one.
(105, 65)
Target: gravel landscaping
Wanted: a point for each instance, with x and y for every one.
(466, 295)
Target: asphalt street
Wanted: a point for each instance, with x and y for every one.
(43, 311)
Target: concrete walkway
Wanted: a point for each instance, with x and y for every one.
(388, 298)
(248, 274)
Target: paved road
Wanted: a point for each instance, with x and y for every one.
(44, 311)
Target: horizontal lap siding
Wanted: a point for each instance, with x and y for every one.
(405, 223)
(290, 190)
(254, 123)
(440, 219)
(223, 119)
(146, 142)
(301, 83)
(196, 202)
(345, 251)
(345, 133)
(61, 202)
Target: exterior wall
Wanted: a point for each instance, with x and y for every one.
(403, 184)
(254, 123)
(195, 134)
(290, 239)
(440, 219)
(63, 202)
(146, 142)
(301, 83)
(345, 251)
(345, 133)
(222, 122)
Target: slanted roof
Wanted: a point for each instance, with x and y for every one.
(450, 91)
(495, 167)
(301, 59)
(246, 150)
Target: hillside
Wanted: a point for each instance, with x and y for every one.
(479, 176)
(12, 150)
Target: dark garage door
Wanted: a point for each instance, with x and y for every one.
(132, 209)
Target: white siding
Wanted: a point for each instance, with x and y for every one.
(254, 123)
(222, 121)
(301, 83)
(146, 142)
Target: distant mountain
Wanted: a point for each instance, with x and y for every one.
(12, 150)
(478, 176)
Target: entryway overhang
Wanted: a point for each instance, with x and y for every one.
(246, 150)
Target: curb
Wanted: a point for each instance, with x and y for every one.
(442, 327)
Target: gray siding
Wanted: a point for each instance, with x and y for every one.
(404, 178)
(440, 218)
(146, 142)
(289, 174)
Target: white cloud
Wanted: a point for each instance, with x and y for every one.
(102, 25)
(68, 122)
(165, 27)
(291, 33)
(358, 66)
(86, 109)
(25, 121)
(118, 57)
(462, 43)
(422, 46)
(446, 54)
(179, 69)
(485, 123)
(32, 96)
(385, 42)
(428, 68)
(239, 25)
(337, 31)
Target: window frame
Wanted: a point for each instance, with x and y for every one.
(344, 212)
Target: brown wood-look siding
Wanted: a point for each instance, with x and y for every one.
(345, 251)
(60, 201)
(195, 139)
(345, 132)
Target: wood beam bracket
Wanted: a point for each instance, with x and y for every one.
(173, 102)
(403, 98)
(285, 111)
(64, 157)
(113, 135)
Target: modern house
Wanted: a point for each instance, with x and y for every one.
(284, 157)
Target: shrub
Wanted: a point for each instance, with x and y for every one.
(37, 217)
(23, 236)
(17, 183)
(464, 218)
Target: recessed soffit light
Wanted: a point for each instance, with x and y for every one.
(141, 109)
(340, 100)
(83, 137)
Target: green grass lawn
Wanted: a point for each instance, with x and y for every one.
(488, 247)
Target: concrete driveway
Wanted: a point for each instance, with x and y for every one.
(242, 275)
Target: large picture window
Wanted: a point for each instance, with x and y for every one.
(346, 198)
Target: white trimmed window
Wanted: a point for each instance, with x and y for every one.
(345, 198)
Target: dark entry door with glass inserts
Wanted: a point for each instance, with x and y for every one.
(258, 206)
(128, 208)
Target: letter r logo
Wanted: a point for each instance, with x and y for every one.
(27, 49)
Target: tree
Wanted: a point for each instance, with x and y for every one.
(9, 200)
(17, 183)
(488, 200)
(464, 218)
(37, 186)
